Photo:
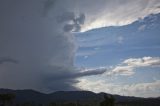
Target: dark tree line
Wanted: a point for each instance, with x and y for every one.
(108, 101)
(6, 99)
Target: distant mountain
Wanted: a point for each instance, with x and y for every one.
(23, 96)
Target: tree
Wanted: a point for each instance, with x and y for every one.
(6, 99)
(108, 101)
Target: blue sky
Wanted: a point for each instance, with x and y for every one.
(109, 46)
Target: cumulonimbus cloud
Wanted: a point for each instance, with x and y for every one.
(43, 50)
(42, 45)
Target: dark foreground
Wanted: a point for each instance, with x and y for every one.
(70, 98)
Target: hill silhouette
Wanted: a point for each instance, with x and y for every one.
(26, 96)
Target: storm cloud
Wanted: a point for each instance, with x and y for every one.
(37, 36)
(38, 43)
(7, 60)
(72, 21)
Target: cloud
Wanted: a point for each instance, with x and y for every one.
(104, 13)
(142, 28)
(147, 89)
(127, 66)
(48, 5)
(94, 71)
(143, 62)
(38, 42)
(82, 72)
(38, 34)
(66, 16)
(7, 60)
(88, 72)
(72, 21)
(121, 70)
(120, 39)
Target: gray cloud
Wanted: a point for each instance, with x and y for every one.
(88, 72)
(77, 73)
(48, 5)
(80, 19)
(41, 44)
(7, 60)
(72, 21)
(68, 27)
(44, 51)
(66, 16)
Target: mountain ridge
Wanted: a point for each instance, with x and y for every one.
(29, 95)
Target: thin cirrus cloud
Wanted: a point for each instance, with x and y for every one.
(117, 13)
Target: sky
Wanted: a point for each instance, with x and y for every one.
(110, 46)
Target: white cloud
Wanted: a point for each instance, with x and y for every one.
(143, 62)
(127, 66)
(104, 13)
(121, 70)
(85, 57)
(149, 89)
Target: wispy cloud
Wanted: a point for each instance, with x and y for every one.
(121, 70)
(142, 27)
(125, 13)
